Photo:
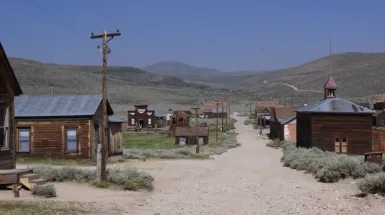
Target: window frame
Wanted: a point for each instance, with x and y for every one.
(5, 125)
(66, 129)
(29, 138)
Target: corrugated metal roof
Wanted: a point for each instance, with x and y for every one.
(335, 105)
(113, 119)
(57, 105)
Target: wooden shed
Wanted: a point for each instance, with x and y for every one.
(278, 115)
(187, 135)
(335, 124)
(59, 125)
(178, 119)
(142, 117)
(9, 88)
(115, 136)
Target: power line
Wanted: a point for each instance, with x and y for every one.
(72, 28)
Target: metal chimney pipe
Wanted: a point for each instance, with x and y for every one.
(52, 89)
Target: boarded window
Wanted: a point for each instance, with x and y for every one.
(24, 140)
(71, 139)
(4, 121)
(132, 121)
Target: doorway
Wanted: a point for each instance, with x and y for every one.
(141, 123)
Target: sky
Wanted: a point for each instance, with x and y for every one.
(229, 35)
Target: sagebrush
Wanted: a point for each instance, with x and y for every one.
(45, 190)
(374, 183)
(128, 178)
(326, 167)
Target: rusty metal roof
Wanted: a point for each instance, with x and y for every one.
(330, 84)
(58, 105)
(191, 131)
(335, 105)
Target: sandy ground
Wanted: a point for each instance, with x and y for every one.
(246, 180)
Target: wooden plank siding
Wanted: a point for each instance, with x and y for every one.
(48, 136)
(116, 138)
(356, 128)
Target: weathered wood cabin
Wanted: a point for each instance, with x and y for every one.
(141, 117)
(59, 125)
(9, 88)
(335, 124)
(279, 115)
(187, 135)
(115, 136)
(262, 111)
(215, 111)
(178, 119)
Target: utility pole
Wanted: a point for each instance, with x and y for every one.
(216, 130)
(250, 110)
(196, 119)
(227, 112)
(102, 161)
(222, 115)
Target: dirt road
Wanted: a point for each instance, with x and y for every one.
(246, 180)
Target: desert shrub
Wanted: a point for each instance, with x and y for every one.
(326, 167)
(374, 183)
(248, 121)
(115, 175)
(100, 184)
(46, 190)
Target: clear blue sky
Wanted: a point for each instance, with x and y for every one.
(223, 34)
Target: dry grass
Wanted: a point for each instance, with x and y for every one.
(54, 208)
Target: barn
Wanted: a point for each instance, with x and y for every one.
(59, 125)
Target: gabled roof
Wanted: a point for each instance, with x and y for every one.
(9, 68)
(284, 112)
(335, 105)
(113, 119)
(286, 121)
(58, 105)
(330, 84)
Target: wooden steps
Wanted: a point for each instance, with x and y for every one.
(31, 180)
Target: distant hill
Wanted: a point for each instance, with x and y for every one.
(126, 85)
(358, 75)
(181, 70)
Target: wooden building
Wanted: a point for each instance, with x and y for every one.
(289, 128)
(335, 124)
(262, 111)
(178, 119)
(211, 111)
(142, 117)
(378, 139)
(59, 125)
(279, 115)
(115, 136)
(9, 88)
(187, 135)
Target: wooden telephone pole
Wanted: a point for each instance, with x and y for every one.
(196, 120)
(216, 130)
(102, 163)
(250, 110)
(223, 127)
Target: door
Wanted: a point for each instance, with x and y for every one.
(96, 143)
(341, 145)
(24, 140)
(141, 123)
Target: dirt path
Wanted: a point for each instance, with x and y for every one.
(246, 180)
(296, 88)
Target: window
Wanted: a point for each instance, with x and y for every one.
(149, 121)
(4, 120)
(344, 145)
(71, 144)
(24, 140)
(132, 121)
(381, 121)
